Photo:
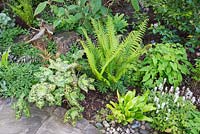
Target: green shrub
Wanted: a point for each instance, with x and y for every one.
(74, 14)
(108, 58)
(174, 113)
(196, 70)
(164, 61)
(15, 82)
(58, 81)
(180, 14)
(130, 108)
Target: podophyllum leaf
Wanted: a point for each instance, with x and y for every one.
(40, 8)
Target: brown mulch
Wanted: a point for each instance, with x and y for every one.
(95, 101)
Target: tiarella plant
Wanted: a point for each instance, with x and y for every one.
(57, 81)
(109, 59)
(130, 108)
(165, 61)
(173, 110)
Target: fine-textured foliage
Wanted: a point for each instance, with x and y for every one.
(23, 8)
(108, 58)
(15, 82)
(165, 61)
(59, 81)
(130, 108)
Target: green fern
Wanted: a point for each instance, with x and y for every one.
(109, 59)
(23, 8)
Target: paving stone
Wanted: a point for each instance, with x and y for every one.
(47, 121)
(54, 125)
(9, 125)
(82, 124)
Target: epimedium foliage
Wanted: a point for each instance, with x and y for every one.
(164, 61)
(182, 15)
(109, 58)
(130, 108)
(60, 80)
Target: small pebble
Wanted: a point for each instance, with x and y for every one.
(147, 126)
(144, 131)
(116, 132)
(106, 125)
(103, 131)
(155, 132)
(142, 127)
(128, 131)
(99, 125)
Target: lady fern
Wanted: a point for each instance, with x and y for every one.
(109, 58)
(24, 9)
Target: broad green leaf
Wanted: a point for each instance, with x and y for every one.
(135, 4)
(96, 5)
(61, 1)
(40, 8)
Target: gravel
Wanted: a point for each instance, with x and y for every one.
(137, 127)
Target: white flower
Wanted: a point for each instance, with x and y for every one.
(176, 98)
(164, 81)
(155, 25)
(155, 89)
(157, 111)
(160, 87)
(167, 118)
(162, 105)
(166, 89)
(193, 99)
(183, 98)
(169, 110)
(158, 106)
(171, 89)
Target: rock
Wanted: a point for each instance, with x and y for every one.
(136, 124)
(143, 122)
(147, 126)
(132, 131)
(144, 131)
(155, 132)
(108, 129)
(99, 125)
(118, 129)
(112, 123)
(116, 132)
(103, 131)
(106, 125)
(128, 131)
(143, 127)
